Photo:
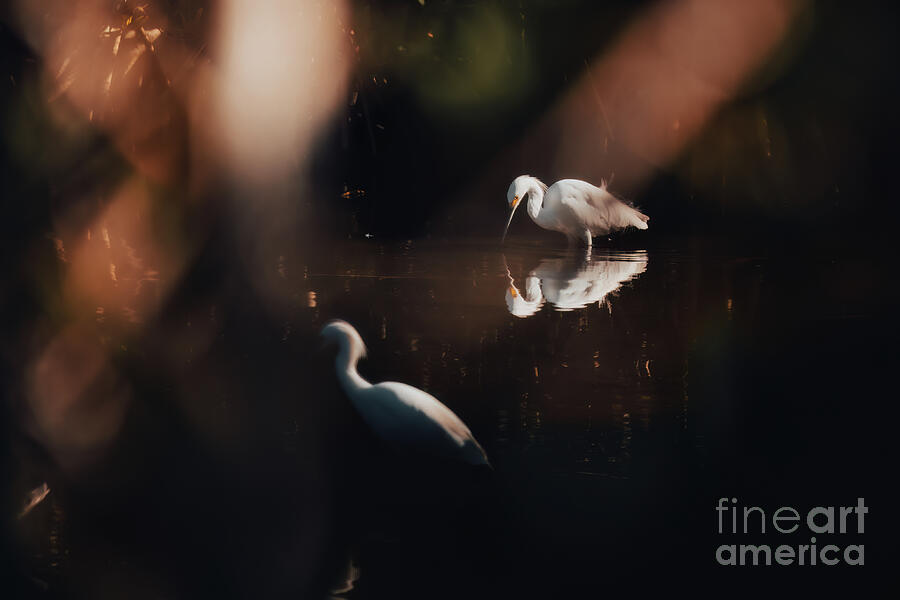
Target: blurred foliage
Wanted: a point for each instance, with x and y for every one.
(462, 69)
(472, 61)
(807, 141)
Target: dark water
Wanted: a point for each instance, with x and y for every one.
(618, 395)
(563, 375)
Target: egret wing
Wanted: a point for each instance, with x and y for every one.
(420, 419)
(598, 209)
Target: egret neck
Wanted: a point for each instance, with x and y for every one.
(535, 198)
(351, 350)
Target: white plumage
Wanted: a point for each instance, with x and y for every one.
(398, 413)
(575, 208)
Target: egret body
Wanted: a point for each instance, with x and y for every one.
(400, 414)
(573, 207)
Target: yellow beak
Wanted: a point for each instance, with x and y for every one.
(512, 211)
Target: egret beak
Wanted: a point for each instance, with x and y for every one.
(514, 205)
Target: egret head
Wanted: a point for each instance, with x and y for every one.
(514, 195)
(343, 335)
(517, 190)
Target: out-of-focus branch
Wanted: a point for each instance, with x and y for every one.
(642, 101)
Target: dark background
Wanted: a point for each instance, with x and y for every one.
(405, 160)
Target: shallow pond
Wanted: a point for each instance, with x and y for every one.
(618, 395)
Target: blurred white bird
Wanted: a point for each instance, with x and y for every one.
(573, 207)
(400, 414)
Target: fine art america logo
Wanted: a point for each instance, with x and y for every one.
(827, 522)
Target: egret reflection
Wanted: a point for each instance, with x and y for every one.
(572, 282)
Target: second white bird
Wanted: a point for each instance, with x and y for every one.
(398, 413)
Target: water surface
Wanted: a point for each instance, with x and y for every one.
(617, 394)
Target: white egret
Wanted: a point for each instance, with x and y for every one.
(571, 284)
(400, 414)
(573, 207)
